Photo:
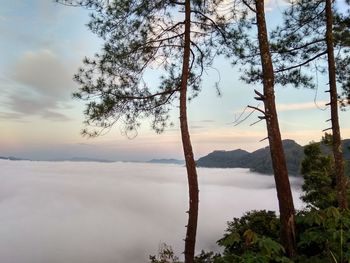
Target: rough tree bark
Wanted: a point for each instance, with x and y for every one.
(190, 240)
(284, 193)
(341, 180)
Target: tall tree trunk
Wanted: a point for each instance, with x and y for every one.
(191, 231)
(284, 193)
(341, 180)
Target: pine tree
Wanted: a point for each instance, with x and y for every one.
(177, 37)
(319, 178)
(341, 32)
(284, 192)
(305, 40)
(258, 68)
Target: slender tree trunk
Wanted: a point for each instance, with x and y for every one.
(284, 192)
(191, 231)
(341, 180)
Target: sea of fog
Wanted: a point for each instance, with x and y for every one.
(74, 212)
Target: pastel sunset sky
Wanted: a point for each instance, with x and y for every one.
(42, 46)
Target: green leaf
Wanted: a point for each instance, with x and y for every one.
(270, 247)
(332, 212)
(250, 237)
(231, 239)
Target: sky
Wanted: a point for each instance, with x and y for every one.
(103, 212)
(42, 46)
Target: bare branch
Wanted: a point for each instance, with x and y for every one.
(299, 47)
(128, 97)
(257, 109)
(249, 6)
(255, 122)
(301, 64)
(264, 139)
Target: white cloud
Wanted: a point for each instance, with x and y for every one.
(117, 212)
(301, 106)
(44, 73)
(41, 84)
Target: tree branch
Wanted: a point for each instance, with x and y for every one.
(212, 22)
(248, 5)
(301, 64)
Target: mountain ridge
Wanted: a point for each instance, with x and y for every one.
(257, 161)
(260, 160)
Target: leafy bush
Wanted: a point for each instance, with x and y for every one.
(324, 235)
(253, 238)
(238, 238)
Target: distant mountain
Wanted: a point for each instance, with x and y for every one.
(346, 148)
(235, 158)
(82, 159)
(167, 161)
(11, 158)
(260, 160)
(257, 161)
(73, 159)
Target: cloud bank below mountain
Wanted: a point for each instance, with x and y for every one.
(116, 212)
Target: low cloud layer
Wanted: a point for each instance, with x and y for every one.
(117, 212)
